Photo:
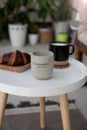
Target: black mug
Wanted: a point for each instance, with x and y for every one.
(61, 50)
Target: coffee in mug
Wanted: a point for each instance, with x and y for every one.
(61, 52)
(42, 64)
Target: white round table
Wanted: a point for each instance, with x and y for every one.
(24, 84)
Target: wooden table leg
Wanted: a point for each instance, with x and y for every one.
(42, 112)
(65, 111)
(78, 55)
(3, 100)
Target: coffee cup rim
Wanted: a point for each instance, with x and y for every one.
(66, 43)
(59, 44)
(43, 53)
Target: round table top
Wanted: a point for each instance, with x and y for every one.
(63, 81)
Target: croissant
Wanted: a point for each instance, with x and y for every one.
(16, 58)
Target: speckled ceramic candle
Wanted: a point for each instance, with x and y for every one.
(42, 63)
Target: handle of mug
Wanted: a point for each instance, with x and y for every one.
(71, 49)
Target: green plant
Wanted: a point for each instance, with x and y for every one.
(46, 8)
(63, 11)
(3, 24)
(57, 10)
(17, 11)
(32, 28)
(14, 11)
